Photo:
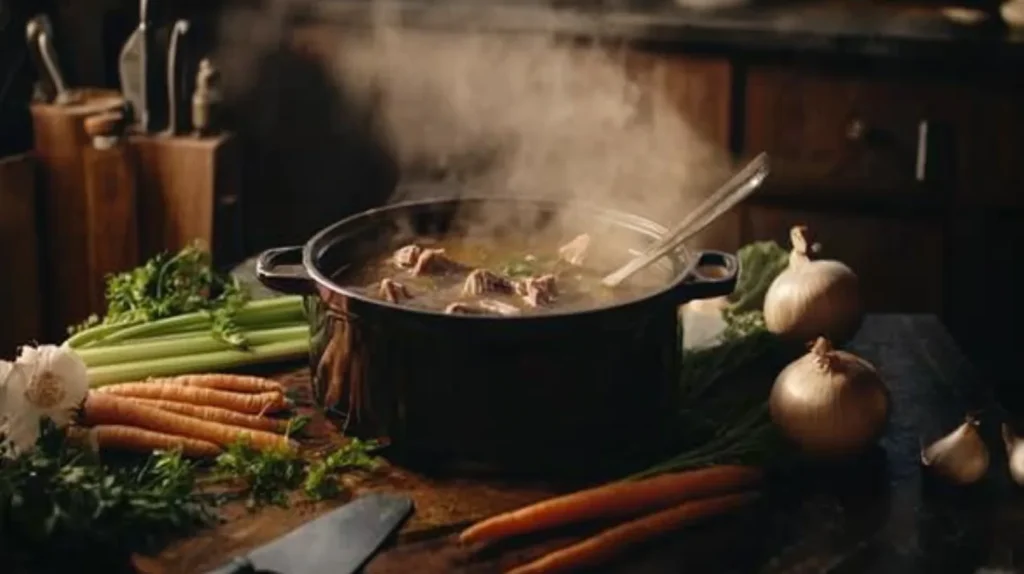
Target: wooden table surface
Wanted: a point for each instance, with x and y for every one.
(881, 516)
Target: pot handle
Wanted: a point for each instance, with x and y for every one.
(293, 281)
(705, 286)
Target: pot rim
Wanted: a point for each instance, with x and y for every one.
(630, 220)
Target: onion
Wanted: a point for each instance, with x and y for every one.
(813, 298)
(961, 456)
(831, 403)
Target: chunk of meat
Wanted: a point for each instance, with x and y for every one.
(537, 291)
(406, 257)
(575, 251)
(393, 291)
(433, 261)
(498, 307)
(482, 281)
(482, 307)
(460, 308)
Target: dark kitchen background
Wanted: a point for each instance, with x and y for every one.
(895, 128)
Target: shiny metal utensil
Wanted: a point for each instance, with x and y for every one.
(39, 34)
(339, 542)
(134, 69)
(738, 188)
(175, 78)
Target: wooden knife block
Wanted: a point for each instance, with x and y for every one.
(19, 286)
(189, 190)
(80, 191)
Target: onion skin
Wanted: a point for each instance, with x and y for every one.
(830, 403)
(813, 298)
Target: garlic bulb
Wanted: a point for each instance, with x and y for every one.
(19, 428)
(813, 298)
(56, 383)
(1014, 454)
(961, 456)
(831, 403)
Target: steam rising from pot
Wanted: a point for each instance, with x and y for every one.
(500, 114)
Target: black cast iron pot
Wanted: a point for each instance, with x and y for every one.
(559, 392)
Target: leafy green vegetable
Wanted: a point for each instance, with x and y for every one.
(355, 455)
(760, 263)
(269, 476)
(169, 285)
(60, 503)
(723, 393)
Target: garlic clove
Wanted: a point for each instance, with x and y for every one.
(960, 457)
(1014, 454)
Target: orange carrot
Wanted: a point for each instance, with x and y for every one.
(243, 403)
(224, 382)
(217, 415)
(120, 437)
(605, 545)
(108, 409)
(613, 500)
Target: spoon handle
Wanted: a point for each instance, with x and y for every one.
(738, 188)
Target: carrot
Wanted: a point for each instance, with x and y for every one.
(121, 437)
(605, 545)
(243, 403)
(108, 409)
(224, 382)
(616, 499)
(217, 415)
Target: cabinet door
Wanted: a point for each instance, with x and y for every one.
(829, 134)
(699, 91)
(899, 261)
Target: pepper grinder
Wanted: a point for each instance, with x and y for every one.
(206, 100)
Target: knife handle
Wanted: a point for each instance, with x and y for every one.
(239, 565)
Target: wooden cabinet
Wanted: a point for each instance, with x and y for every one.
(900, 261)
(831, 134)
(699, 90)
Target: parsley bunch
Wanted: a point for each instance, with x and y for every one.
(169, 285)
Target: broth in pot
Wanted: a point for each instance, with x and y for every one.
(509, 276)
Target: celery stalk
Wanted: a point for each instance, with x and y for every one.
(198, 363)
(254, 313)
(196, 343)
(95, 333)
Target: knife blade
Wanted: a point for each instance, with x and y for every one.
(134, 69)
(340, 542)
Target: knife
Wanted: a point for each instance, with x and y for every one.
(134, 69)
(340, 542)
(39, 33)
(175, 78)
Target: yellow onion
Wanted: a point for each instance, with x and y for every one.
(830, 403)
(813, 298)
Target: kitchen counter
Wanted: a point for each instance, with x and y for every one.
(872, 29)
(882, 515)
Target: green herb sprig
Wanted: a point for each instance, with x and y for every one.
(268, 477)
(61, 503)
(169, 285)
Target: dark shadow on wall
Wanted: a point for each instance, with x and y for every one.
(311, 155)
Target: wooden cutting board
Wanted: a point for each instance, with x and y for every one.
(874, 517)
